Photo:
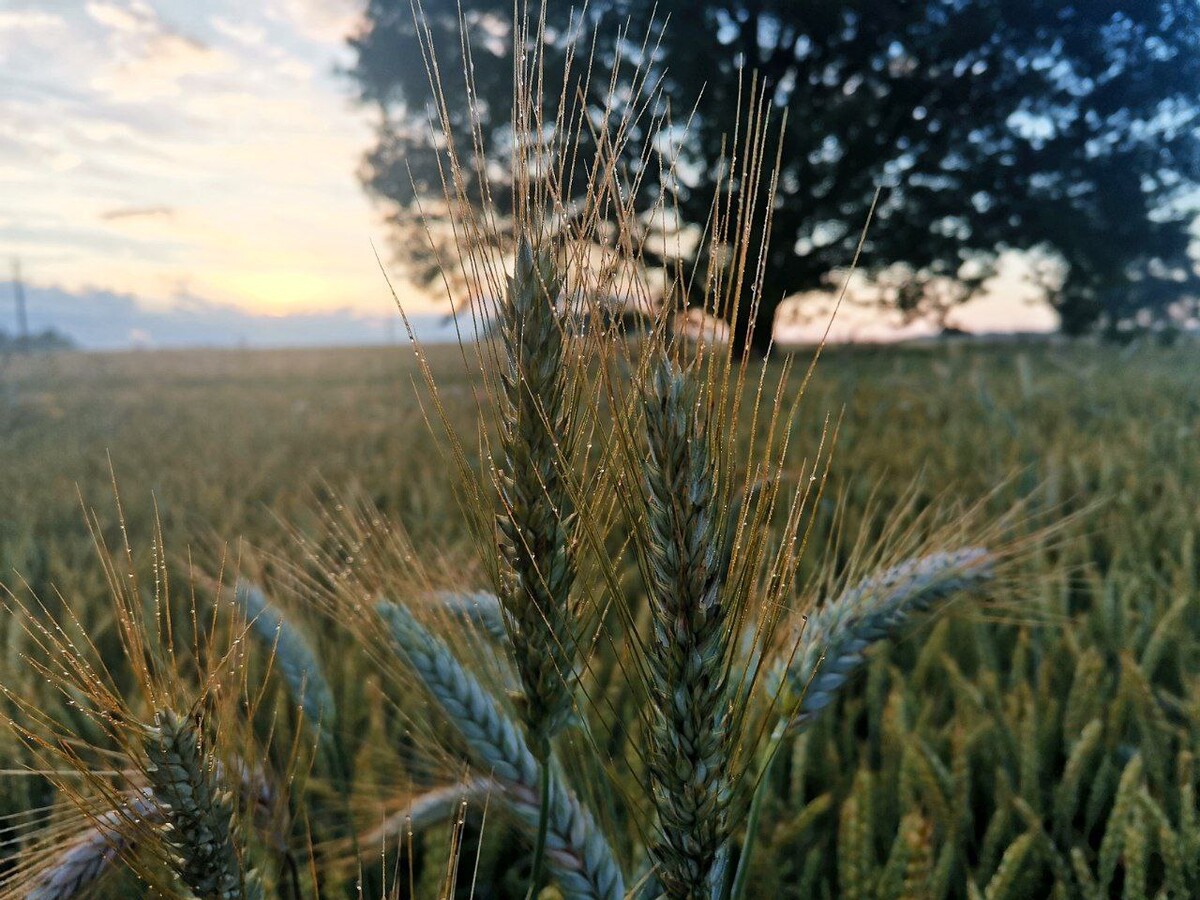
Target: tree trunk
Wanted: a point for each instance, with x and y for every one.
(756, 335)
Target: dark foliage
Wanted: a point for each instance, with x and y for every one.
(1071, 128)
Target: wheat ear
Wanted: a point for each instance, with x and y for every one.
(835, 639)
(79, 865)
(837, 635)
(537, 570)
(115, 833)
(427, 809)
(292, 656)
(689, 753)
(577, 854)
(198, 814)
(480, 609)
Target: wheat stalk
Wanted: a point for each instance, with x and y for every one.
(578, 855)
(292, 656)
(534, 519)
(197, 812)
(426, 809)
(689, 753)
(836, 636)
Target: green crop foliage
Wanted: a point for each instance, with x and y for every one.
(1054, 725)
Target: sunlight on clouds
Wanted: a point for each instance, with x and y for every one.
(65, 162)
(240, 31)
(183, 150)
(998, 311)
(131, 19)
(275, 290)
(149, 60)
(157, 69)
(1008, 297)
(294, 69)
(318, 20)
(13, 21)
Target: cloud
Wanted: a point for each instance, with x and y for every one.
(157, 68)
(138, 212)
(128, 19)
(23, 31)
(243, 32)
(114, 17)
(295, 70)
(149, 59)
(28, 20)
(323, 21)
(108, 320)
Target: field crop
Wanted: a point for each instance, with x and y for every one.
(1033, 737)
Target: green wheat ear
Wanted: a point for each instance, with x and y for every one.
(689, 752)
(198, 814)
(293, 658)
(577, 854)
(87, 858)
(537, 569)
(837, 635)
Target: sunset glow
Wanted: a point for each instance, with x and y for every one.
(178, 150)
(168, 155)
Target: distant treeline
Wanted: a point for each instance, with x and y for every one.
(50, 339)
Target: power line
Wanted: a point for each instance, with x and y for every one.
(19, 299)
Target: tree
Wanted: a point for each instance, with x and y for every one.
(1071, 129)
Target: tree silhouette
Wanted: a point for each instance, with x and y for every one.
(989, 125)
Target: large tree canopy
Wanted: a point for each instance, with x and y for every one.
(989, 125)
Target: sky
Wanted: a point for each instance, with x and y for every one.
(174, 172)
(183, 153)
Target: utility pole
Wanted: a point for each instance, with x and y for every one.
(19, 298)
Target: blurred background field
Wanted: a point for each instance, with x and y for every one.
(285, 174)
(959, 749)
(227, 443)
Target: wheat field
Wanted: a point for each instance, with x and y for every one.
(1034, 737)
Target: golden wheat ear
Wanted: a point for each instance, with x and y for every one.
(149, 751)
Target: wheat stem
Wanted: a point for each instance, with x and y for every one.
(427, 809)
(539, 844)
(742, 873)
